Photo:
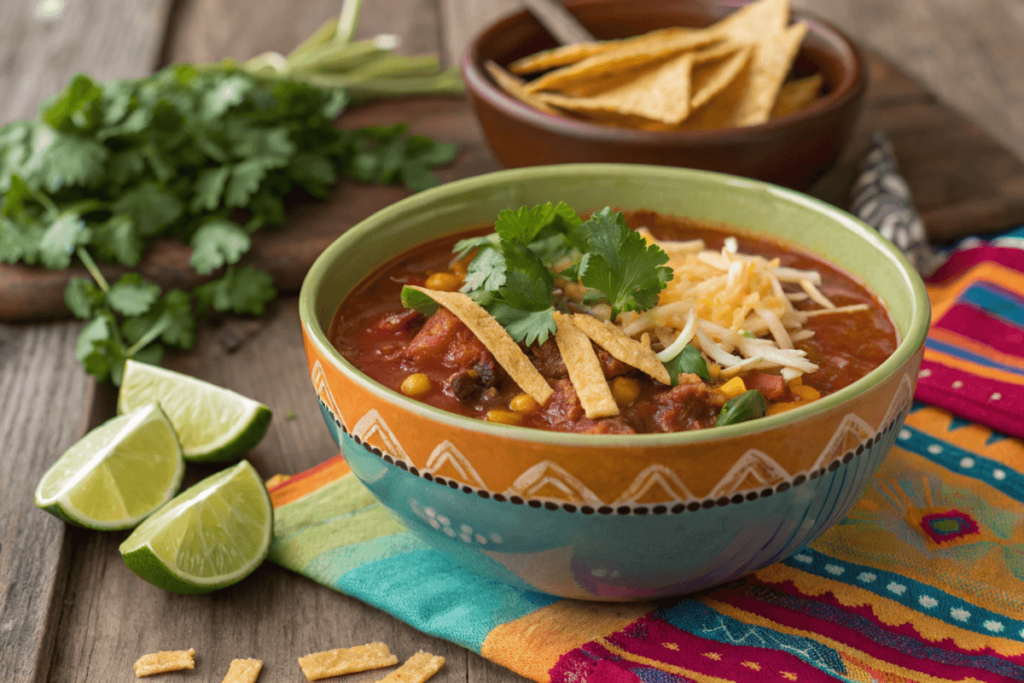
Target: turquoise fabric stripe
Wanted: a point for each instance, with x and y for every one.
(962, 462)
(959, 352)
(426, 590)
(910, 593)
(996, 301)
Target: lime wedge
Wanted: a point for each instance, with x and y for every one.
(213, 424)
(211, 536)
(117, 474)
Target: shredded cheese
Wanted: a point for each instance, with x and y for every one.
(734, 308)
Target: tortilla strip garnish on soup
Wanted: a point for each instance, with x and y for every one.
(612, 323)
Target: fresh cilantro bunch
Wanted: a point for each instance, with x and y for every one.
(514, 270)
(206, 156)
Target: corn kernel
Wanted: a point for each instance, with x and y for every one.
(805, 392)
(625, 390)
(733, 388)
(795, 382)
(714, 371)
(415, 385)
(776, 408)
(523, 403)
(443, 282)
(503, 417)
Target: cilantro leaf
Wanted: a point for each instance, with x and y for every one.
(240, 290)
(95, 348)
(18, 242)
(528, 282)
(230, 91)
(150, 208)
(181, 331)
(464, 246)
(415, 299)
(219, 242)
(246, 177)
(525, 326)
(689, 361)
(313, 172)
(83, 298)
(62, 160)
(523, 224)
(625, 272)
(131, 295)
(118, 240)
(61, 238)
(485, 272)
(209, 188)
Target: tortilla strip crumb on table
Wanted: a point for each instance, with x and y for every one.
(612, 339)
(584, 369)
(492, 335)
(346, 660)
(243, 671)
(416, 669)
(164, 662)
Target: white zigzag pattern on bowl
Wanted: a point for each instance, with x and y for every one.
(674, 489)
(548, 474)
(901, 401)
(323, 390)
(753, 465)
(447, 454)
(852, 432)
(372, 424)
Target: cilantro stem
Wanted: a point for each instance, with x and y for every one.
(347, 20)
(47, 203)
(93, 269)
(159, 327)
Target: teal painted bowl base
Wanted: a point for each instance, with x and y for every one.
(613, 557)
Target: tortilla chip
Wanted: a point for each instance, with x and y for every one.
(584, 368)
(513, 85)
(749, 23)
(623, 59)
(721, 110)
(416, 669)
(163, 662)
(660, 94)
(716, 52)
(633, 353)
(243, 671)
(772, 60)
(797, 95)
(711, 79)
(570, 54)
(497, 340)
(346, 661)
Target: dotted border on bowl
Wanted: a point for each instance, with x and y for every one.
(656, 509)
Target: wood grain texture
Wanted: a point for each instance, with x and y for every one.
(43, 405)
(104, 38)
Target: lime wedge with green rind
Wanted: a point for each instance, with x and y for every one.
(118, 474)
(211, 536)
(213, 424)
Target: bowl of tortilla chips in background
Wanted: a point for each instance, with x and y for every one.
(746, 89)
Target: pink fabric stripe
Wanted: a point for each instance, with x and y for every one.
(804, 622)
(973, 401)
(975, 324)
(961, 261)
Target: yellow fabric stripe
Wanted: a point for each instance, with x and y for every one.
(668, 668)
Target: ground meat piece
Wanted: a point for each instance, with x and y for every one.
(444, 340)
(564, 405)
(548, 360)
(398, 322)
(686, 407)
(773, 387)
(613, 367)
(607, 425)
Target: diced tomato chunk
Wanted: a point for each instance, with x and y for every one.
(773, 387)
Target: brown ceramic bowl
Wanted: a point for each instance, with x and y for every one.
(792, 150)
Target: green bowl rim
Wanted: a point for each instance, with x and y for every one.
(909, 345)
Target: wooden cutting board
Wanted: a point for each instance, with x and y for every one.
(963, 182)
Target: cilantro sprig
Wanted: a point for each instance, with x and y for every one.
(513, 272)
(205, 154)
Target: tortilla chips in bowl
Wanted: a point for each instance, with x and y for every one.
(747, 89)
(607, 516)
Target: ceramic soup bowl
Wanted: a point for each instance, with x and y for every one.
(606, 517)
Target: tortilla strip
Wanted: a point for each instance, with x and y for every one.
(584, 368)
(346, 660)
(713, 79)
(773, 58)
(164, 662)
(623, 59)
(570, 54)
(513, 85)
(612, 339)
(496, 339)
(796, 95)
(417, 669)
(243, 671)
(661, 94)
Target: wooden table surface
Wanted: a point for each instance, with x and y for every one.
(69, 609)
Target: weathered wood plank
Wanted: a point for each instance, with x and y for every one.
(42, 408)
(104, 38)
